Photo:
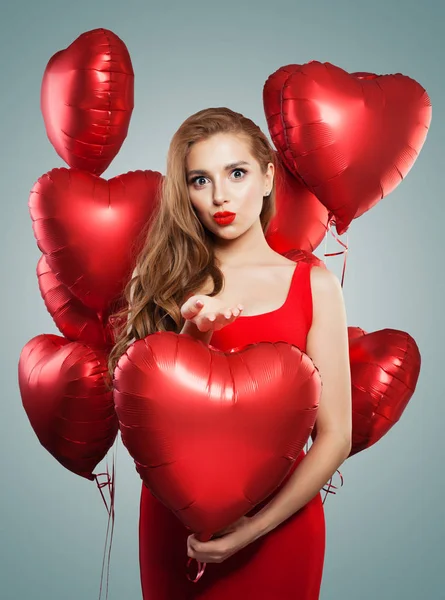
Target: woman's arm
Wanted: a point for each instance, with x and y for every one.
(328, 347)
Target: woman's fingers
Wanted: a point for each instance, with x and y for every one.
(233, 312)
(208, 320)
(224, 317)
(191, 308)
(237, 310)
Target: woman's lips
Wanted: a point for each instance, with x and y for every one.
(225, 220)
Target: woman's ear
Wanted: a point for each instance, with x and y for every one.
(270, 177)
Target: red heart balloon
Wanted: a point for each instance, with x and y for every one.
(385, 367)
(90, 229)
(64, 392)
(351, 138)
(213, 433)
(300, 220)
(75, 321)
(87, 98)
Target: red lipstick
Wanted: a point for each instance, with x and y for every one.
(224, 217)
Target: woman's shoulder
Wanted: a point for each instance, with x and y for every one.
(323, 280)
(326, 292)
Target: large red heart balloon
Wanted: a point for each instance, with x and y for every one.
(351, 138)
(300, 220)
(87, 98)
(75, 321)
(90, 229)
(213, 433)
(385, 367)
(65, 392)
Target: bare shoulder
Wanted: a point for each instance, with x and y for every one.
(323, 280)
(327, 295)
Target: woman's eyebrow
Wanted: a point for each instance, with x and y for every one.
(226, 168)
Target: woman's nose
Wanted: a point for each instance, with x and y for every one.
(219, 191)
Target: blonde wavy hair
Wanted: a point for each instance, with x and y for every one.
(177, 255)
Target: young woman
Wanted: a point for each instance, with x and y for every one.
(219, 281)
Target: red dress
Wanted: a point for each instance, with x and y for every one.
(284, 564)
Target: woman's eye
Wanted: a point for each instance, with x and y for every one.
(199, 178)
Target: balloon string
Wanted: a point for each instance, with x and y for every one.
(110, 517)
(111, 483)
(328, 491)
(345, 253)
(345, 246)
(108, 482)
(203, 537)
(201, 569)
(326, 254)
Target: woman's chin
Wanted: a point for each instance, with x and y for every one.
(228, 232)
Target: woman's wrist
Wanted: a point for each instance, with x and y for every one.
(260, 524)
(190, 328)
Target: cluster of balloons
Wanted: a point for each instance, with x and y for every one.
(343, 141)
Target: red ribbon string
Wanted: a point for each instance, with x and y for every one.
(110, 482)
(201, 569)
(345, 246)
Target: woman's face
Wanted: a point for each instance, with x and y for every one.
(222, 175)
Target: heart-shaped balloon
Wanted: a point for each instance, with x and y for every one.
(213, 433)
(351, 138)
(65, 393)
(300, 220)
(90, 229)
(75, 321)
(87, 97)
(385, 367)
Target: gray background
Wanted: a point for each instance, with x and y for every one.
(385, 526)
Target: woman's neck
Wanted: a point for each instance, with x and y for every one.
(250, 248)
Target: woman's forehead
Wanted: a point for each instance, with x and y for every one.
(219, 153)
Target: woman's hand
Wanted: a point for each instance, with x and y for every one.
(236, 536)
(209, 313)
